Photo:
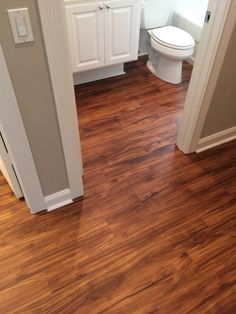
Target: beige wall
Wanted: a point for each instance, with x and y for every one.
(28, 69)
(222, 111)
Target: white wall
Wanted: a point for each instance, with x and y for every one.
(183, 5)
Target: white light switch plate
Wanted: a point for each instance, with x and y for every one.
(20, 25)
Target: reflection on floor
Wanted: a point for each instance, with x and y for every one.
(155, 232)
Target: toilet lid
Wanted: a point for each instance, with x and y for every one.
(173, 37)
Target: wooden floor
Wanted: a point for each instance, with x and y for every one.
(156, 231)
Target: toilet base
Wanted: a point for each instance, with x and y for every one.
(167, 70)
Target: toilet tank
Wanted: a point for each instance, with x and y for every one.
(155, 13)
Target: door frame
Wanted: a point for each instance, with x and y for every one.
(200, 92)
(53, 21)
(7, 168)
(17, 142)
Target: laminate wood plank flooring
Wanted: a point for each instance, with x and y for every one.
(155, 232)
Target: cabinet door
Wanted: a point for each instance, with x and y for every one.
(122, 28)
(86, 35)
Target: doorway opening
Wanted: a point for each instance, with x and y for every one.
(50, 22)
(88, 64)
(128, 124)
(128, 128)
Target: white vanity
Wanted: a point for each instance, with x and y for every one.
(103, 35)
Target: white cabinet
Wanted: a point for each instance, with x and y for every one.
(86, 35)
(121, 31)
(103, 33)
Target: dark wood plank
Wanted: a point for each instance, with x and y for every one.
(155, 232)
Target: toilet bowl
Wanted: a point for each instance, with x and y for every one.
(167, 49)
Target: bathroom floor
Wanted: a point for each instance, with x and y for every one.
(155, 232)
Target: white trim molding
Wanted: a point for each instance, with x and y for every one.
(54, 27)
(17, 142)
(7, 169)
(216, 139)
(57, 200)
(205, 73)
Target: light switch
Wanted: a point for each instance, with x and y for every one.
(20, 25)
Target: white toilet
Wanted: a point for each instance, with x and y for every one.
(168, 45)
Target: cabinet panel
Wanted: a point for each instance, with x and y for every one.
(122, 20)
(86, 35)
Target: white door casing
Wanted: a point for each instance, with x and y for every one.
(86, 35)
(17, 142)
(7, 168)
(55, 34)
(202, 84)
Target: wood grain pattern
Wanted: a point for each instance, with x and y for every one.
(155, 232)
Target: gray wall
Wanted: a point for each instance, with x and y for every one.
(222, 111)
(28, 69)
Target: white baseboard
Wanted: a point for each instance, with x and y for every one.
(216, 139)
(57, 200)
(98, 74)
